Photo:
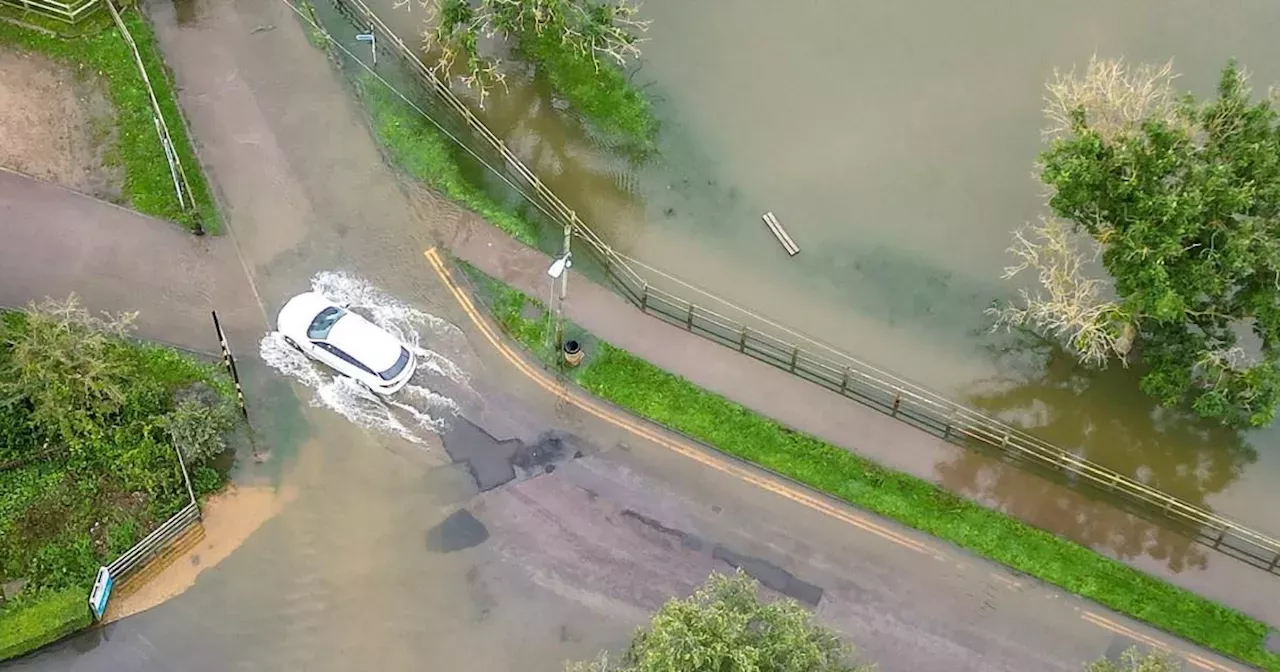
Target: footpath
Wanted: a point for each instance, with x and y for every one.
(57, 241)
(808, 408)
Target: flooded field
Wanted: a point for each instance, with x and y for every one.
(896, 144)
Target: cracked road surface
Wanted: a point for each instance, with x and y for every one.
(394, 556)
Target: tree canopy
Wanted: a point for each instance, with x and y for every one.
(1134, 660)
(725, 627)
(1181, 199)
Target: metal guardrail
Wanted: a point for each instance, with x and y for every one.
(155, 543)
(842, 373)
(70, 12)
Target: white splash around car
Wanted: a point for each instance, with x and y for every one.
(346, 342)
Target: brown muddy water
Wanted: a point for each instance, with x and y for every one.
(895, 142)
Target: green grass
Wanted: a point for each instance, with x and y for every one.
(640, 387)
(78, 490)
(95, 22)
(422, 151)
(603, 96)
(148, 185)
(30, 624)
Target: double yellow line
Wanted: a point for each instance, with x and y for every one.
(1108, 624)
(607, 414)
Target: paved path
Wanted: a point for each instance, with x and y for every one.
(813, 409)
(57, 242)
(390, 557)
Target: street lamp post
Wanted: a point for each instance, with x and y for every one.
(559, 270)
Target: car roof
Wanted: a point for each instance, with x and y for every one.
(366, 341)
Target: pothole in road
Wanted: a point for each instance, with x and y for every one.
(494, 462)
(424, 407)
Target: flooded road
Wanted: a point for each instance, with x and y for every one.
(896, 144)
(437, 392)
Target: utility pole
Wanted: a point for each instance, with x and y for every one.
(564, 286)
(559, 270)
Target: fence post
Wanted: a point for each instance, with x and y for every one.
(230, 362)
(1274, 561)
(844, 382)
(897, 400)
(644, 298)
(795, 354)
(182, 464)
(742, 340)
(1221, 536)
(689, 320)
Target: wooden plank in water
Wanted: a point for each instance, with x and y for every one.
(787, 244)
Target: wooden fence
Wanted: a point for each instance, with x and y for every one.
(841, 373)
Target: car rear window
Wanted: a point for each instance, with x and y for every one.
(396, 368)
(323, 323)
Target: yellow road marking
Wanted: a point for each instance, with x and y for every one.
(545, 382)
(1117, 628)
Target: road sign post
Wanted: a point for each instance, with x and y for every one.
(101, 592)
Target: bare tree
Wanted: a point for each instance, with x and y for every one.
(1070, 307)
(1113, 97)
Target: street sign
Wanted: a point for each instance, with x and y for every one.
(101, 592)
(373, 44)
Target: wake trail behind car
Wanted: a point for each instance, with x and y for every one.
(422, 407)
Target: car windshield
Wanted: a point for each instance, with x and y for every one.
(320, 327)
(396, 368)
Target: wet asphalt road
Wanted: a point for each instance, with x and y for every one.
(397, 557)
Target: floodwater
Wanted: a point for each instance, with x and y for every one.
(895, 142)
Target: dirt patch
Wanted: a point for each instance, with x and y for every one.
(228, 520)
(58, 125)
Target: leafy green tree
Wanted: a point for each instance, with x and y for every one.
(1180, 201)
(601, 31)
(725, 627)
(63, 368)
(1133, 660)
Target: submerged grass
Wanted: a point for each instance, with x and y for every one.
(421, 150)
(100, 49)
(603, 95)
(644, 389)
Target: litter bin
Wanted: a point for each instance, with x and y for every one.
(572, 352)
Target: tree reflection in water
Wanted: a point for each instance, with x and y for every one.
(1104, 417)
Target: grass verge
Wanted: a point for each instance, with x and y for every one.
(603, 96)
(641, 388)
(148, 184)
(87, 464)
(422, 151)
(33, 623)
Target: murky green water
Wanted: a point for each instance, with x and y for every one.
(895, 142)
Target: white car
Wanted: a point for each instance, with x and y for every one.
(350, 344)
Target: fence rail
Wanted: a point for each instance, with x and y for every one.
(181, 186)
(70, 12)
(155, 543)
(834, 370)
